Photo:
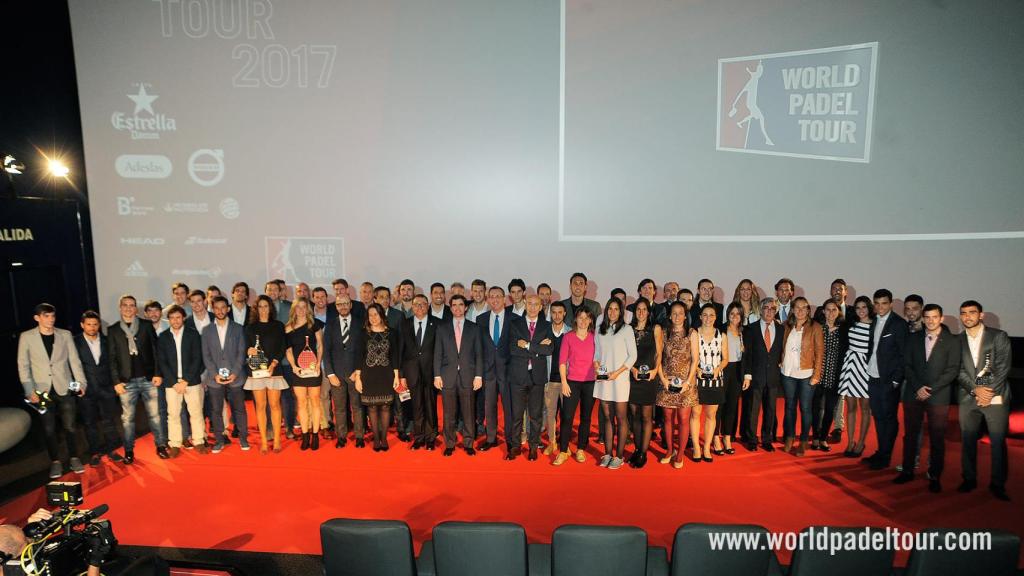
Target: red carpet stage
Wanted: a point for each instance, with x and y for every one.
(244, 501)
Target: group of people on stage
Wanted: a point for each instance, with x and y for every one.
(317, 369)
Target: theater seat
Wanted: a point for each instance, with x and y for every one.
(692, 552)
(596, 550)
(808, 562)
(425, 561)
(366, 548)
(539, 556)
(473, 548)
(1001, 560)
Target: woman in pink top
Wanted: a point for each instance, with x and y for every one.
(576, 366)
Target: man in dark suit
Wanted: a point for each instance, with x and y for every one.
(494, 325)
(416, 371)
(224, 349)
(382, 296)
(837, 291)
(984, 395)
(179, 367)
(438, 309)
(98, 406)
(238, 310)
(577, 299)
(532, 342)
(762, 342)
(706, 295)
(886, 362)
(648, 289)
(341, 336)
(340, 286)
(458, 371)
(933, 363)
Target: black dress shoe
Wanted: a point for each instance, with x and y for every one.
(403, 437)
(94, 460)
(162, 452)
(871, 459)
(234, 434)
(903, 478)
(934, 486)
(533, 454)
(510, 455)
(768, 447)
(360, 443)
(641, 460)
(376, 447)
(429, 446)
(967, 486)
(114, 456)
(449, 451)
(314, 441)
(878, 465)
(487, 446)
(417, 444)
(751, 446)
(999, 492)
(470, 451)
(340, 443)
(129, 457)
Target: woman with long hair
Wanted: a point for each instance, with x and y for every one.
(747, 296)
(643, 384)
(304, 336)
(802, 358)
(576, 369)
(711, 349)
(265, 335)
(826, 394)
(678, 394)
(853, 380)
(376, 379)
(614, 355)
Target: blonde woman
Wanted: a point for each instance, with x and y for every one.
(747, 296)
(304, 338)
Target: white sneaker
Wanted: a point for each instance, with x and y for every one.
(605, 460)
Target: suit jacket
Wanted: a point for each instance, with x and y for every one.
(191, 357)
(659, 313)
(891, 357)
(939, 371)
(395, 318)
(591, 305)
(283, 309)
(849, 315)
(97, 373)
(190, 322)
(39, 371)
(358, 312)
(451, 361)
(694, 315)
(519, 373)
(340, 358)
(996, 344)
(230, 356)
(248, 311)
(413, 356)
(496, 354)
(446, 313)
(120, 357)
(761, 363)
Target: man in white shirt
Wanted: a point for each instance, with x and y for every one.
(517, 294)
(98, 406)
(239, 311)
(438, 309)
(154, 312)
(180, 366)
(406, 290)
(179, 297)
(784, 290)
(886, 363)
(478, 291)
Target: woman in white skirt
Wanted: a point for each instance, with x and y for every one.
(614, 355)
(264, 336)
(853, 380)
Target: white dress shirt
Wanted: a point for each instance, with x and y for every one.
(94, 347)
(222, 331)
(177, 346)
(873, 362)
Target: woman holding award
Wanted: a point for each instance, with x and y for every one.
(264, 337)
(711, 349)
(643, 384)
(614, 356)
(376, 378)
(678, 393)
(304, 336)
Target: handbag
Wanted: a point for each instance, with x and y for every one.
(258, 362)
(307, 366)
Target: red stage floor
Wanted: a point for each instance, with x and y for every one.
(244, 501)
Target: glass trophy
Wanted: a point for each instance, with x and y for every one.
(643, 373)
(224, 373)
(675, 385)
(74, 387)
(602, 372)
(258, 363)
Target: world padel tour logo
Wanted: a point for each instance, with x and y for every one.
(311, 260)
(811, 104)
(143, 123)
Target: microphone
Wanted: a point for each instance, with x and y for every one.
(90, 515)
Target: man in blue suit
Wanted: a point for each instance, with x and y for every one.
(886, 363)
(458, 371)
(224, 357)
(179, 367)
(495, 327)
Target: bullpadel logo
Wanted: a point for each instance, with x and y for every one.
(145, 166)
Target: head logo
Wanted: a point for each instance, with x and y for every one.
(135, 270)
(143, 123)
(229, 208)
(206, 166)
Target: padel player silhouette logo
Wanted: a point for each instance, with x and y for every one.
(753, 111)
(295, 259)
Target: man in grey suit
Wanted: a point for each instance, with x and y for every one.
(985, 395)
(458, 371)
(933, 362)
(47, 364)
(224, 357)
(578, 299)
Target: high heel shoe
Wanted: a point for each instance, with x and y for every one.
(677, 464)
(717, 452)
(729, 450)
(641, 460)
(305, 441)
(667, 458)
(314, 442)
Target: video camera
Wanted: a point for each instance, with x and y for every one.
(69, 542)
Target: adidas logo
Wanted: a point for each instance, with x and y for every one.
(136, 270)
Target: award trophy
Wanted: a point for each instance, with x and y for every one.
(74, 387)
(984, 378)
(306, 361)
(258, 362)
(675, 385)
(643, 373)
(602, 373)
(224, 373)
(44, 402)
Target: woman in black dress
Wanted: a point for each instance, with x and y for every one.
(733, 380)
(304, 331)
(377, 377)
(826, 394)
(264, 334)
(643, 388)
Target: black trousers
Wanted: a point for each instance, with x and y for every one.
(98, 411)
(727, 414)
(582, 395)
(65, 406)
(423, 404)
(997, 419)
(458, 396)
(884, 400)
(528, 397)
(762, 399)
(823, 406)
(913, 416)
(346, 398)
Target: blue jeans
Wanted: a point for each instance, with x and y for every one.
(802, 391)
(136, 389)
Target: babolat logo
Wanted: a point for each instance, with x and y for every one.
(143, 123)
(142, 241)
(16, 235)
(148, 166)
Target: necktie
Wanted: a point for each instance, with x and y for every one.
(497, 330)
(929, 344)
(419, 332)
(458, 336)
(344, 331)
(532, 326)
(767, 337)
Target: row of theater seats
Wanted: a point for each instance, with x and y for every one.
(372, 547)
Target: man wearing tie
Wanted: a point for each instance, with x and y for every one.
(762, 342)
(784, 290)
(341, 335)
(416, 371)
(985, 395)
(886, 363)
(494, 324)
(528, 372)
(458, 371)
